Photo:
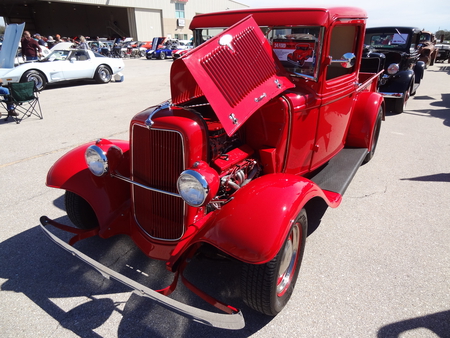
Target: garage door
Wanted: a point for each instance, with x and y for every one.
(148, 24)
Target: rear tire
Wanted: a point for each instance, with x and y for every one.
(268, 287)
(375, 135)
(162, 56)
(79, 211)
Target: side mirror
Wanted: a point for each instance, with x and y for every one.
(347, 61)
(72, 60)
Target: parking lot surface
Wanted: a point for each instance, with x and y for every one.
(377, 266)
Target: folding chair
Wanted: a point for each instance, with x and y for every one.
(25, 99)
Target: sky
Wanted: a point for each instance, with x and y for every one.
(431, 15)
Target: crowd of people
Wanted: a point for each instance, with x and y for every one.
(31, 51)
(31, 44)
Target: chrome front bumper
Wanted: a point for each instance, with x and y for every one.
(392, 95)
(232, 321)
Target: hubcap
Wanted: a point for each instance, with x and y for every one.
(104, 74)
(288, 260)
(37, 80)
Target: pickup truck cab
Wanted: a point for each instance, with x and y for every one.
(233, 160)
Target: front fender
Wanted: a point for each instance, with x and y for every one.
(105, 194)
(419, 70)
(253, 226)
(399, 83)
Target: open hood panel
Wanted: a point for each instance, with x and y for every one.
(236, 71)
(11, 39)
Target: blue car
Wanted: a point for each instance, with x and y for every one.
(161, 53)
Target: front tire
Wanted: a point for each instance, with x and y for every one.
(268, 287)
(79, 211)
(37, 77)
(103, 74)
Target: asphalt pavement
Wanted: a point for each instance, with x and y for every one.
(377, 266)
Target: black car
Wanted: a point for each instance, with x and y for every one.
(443, 53)
(396, 50)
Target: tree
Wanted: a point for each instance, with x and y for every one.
(442, 34)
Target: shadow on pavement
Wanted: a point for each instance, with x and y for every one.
(437, 323)
(430, 178)
(81, 300)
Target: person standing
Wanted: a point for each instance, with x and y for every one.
(30, 47)
(83, 44)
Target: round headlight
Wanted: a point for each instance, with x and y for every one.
(393, 68)
(96, 160)
(192, 187)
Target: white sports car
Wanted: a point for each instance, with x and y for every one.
(65, 64)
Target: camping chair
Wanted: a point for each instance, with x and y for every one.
(25, 99)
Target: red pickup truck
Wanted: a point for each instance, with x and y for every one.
(234, 159)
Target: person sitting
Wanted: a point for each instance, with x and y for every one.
(9, 105)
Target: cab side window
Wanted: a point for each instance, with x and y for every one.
(343, 40)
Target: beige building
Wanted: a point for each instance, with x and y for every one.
(140, 19)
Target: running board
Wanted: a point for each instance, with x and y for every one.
(337, 174)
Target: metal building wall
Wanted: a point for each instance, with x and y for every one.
(148, 19)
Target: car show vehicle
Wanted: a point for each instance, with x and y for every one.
(176, 54)
(427, 48)
(65, 64)
(396, 50)
(443, 53)
(165, 49)
(234, 161)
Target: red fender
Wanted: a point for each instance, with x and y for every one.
(105, 194)
(253, 226)
(364, 117)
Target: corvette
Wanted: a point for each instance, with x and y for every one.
(65, 64)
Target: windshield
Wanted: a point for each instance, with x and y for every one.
(394, 40)
(297, 47)
(58, 55)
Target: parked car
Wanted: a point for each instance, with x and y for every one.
(427, 48)
(443, 52)
(396, 50)
(161, 53)
(65, 64)
(233, 163)
(176, 54)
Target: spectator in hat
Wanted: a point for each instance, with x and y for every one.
(50, 42)
(39, 39)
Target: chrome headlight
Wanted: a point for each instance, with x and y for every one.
(393, 68)
(96, 160)
(192, 187)
(198, 186)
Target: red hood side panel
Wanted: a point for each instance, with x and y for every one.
(236, 71)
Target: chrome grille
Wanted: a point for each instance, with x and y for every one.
(157, 159)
